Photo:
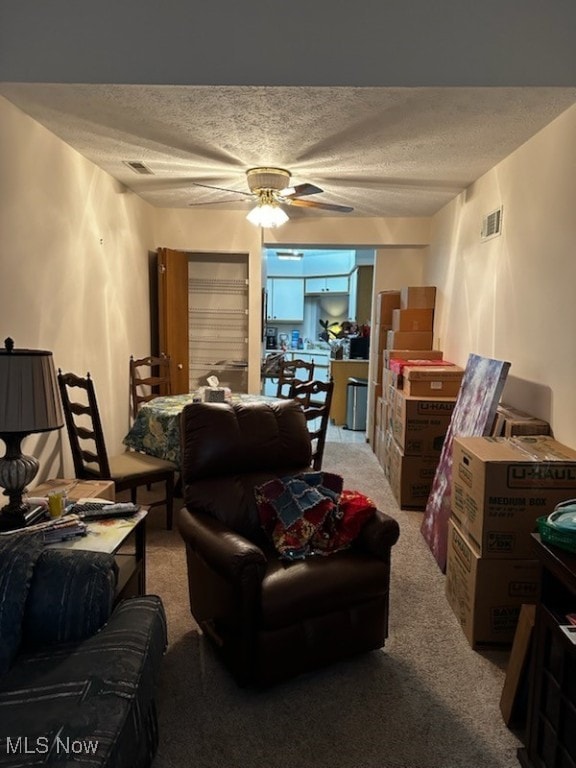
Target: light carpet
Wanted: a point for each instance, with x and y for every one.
(426, 700)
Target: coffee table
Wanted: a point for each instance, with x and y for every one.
(125, 538)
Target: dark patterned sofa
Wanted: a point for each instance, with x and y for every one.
(77, 675)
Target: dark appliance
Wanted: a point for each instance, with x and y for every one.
(271, 337)
(359, 347)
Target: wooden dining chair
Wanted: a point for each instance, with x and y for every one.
(315, 397)
(129, 470)
(291, 372)
(149, 377)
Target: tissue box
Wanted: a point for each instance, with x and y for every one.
(214, 394)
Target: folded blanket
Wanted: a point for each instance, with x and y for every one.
(311, 514)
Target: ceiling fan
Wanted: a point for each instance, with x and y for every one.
(271, 190)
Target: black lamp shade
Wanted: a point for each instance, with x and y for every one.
(29, 402)
(29, 399)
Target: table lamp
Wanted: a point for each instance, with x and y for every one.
(29, 402)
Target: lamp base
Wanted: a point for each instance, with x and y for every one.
(16, 472)
(29, 515)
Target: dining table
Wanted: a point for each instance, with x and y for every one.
(156, 428)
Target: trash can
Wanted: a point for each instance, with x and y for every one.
(356, 404)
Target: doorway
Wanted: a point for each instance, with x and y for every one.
(311, 289)
(202, 312)
(218, 319)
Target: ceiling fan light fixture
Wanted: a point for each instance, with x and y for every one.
(267, 178)
(267, 215)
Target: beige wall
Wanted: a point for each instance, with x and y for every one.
(350, 230)
(74, 280)
(512, 297)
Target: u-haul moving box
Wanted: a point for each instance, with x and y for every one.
(433, 380)
(419, 425)
(410, 477)
(500, 486)
(486, 595)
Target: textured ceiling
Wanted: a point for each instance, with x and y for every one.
(384, 151)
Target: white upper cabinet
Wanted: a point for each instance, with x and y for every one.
(285, 299)
(334, 284)
(353, 301)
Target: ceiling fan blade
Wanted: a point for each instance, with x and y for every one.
(324, 206)
(224, 200)
(298, 190)
(222, 189)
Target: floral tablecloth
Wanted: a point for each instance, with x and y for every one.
(156, 429)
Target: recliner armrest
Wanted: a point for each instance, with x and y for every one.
(223, 549)
(379, 535)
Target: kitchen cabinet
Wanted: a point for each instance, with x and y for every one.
(360, 303)
(285, 299)
(334, 284)
(353, 300)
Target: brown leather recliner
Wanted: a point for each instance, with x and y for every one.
(270, 618)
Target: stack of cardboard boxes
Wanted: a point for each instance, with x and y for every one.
(386, 303)
(500, 486)
(418, 391)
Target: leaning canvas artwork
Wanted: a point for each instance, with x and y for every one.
(473, 416)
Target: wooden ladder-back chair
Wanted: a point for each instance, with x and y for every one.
(291, 372)
(315, 398)
(149, 377)
(130, 470)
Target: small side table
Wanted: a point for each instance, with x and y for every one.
(125, 538)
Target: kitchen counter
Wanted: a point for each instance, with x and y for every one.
(341, 371)
(320, 357)
(324, 368)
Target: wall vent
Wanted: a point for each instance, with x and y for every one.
(138, 167)
(491, 225)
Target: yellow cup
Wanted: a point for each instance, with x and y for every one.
(55, 504)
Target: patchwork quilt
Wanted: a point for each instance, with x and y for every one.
(311, 514)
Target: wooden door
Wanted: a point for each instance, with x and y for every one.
(173, 314)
